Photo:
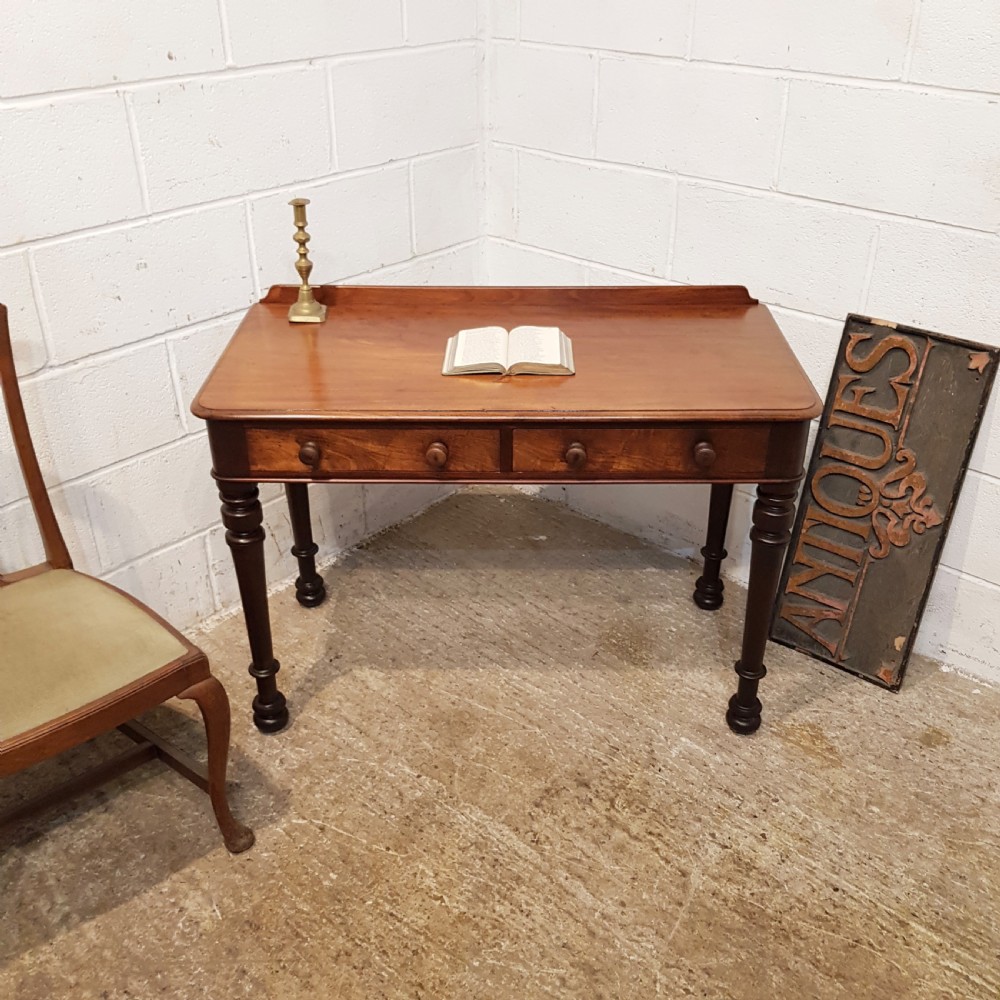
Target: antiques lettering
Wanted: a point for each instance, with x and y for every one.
(886, 501)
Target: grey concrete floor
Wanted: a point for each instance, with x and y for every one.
(508, 775)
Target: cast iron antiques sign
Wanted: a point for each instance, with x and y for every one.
(894, 441)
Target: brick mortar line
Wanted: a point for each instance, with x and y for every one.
(213, 583)
(404, 25)
(672, 237)
(178, 391)
(484, 87)
(41, 99)
(861, 82)
(252, 250)
(560, 255)
(694, 180)
(470, 243)
(779, 150)
(595, 108)
(140, 164)
(647, 277)
(810, 315)
(331, 108)
(43, 242)
(227, 45)
(40, 311)
(866, 283)
(411, 215)
(964, 575)
(911, 39)
(691, 26)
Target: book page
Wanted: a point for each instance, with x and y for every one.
(540, 345)
(482, 345)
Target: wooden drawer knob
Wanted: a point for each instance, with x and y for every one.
(309, 453)
(576, 455)
(437, 455)
(704, 454)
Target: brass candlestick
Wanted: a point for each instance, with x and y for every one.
(306, 309)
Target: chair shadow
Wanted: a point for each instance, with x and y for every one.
(67, 865)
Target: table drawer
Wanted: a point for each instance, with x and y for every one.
(334, 451)
(725, 452)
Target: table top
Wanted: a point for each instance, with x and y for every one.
(644, 353)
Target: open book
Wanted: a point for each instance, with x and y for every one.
(527, 350)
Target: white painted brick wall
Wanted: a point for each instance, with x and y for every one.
(835, 158)
(48, 46)
(196, 145)
(108, 408)
(261, 31)
(440, 20)
(373, 207)
(66, 166)
(148, 155)
(451, 179)
(658, 27)
(803, 255)
(111, 288)
(735, 117)
(858, 38)
(543, 98)
(958, 45)
(500, 18)
(595, 212)
(908, 152)
(399, 104)
(30, 352)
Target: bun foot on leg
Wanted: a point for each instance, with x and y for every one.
(709, 588)
(270, 715)
(743, 719)
(310, 591)
(708, 594)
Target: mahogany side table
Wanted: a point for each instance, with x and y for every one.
(673, 385)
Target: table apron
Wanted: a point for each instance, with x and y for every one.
(535, 452)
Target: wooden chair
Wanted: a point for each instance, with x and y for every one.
(79, 657)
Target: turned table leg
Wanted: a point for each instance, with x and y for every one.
(773, 513)
(309, 587)
(708, 588)
(242, 516)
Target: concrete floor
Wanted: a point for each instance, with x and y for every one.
(508, 775)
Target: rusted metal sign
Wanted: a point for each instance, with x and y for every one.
(901, 417)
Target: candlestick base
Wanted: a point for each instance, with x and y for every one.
(307, 309)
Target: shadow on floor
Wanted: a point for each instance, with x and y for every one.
(168, 825)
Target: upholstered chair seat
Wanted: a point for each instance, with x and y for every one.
(67, 640)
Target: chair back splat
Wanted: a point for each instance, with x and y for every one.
(56, 553)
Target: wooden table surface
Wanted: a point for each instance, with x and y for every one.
(642, 353)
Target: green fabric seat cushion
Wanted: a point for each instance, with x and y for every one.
(67, 640)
